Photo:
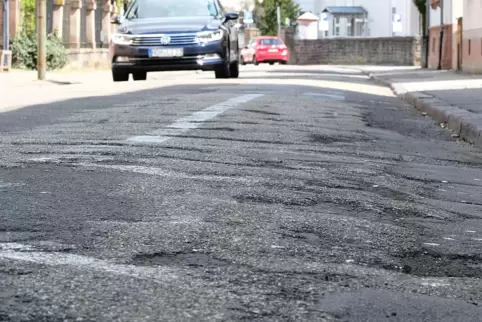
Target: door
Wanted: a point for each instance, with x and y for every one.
(459, 43)
(248, 53)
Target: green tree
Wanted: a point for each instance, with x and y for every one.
(422, 8)
(27, 16)
(265, 14)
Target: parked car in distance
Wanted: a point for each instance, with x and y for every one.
(265, 49)
(169, 35)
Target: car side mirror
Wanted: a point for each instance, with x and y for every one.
(231, 16)
(117, 20)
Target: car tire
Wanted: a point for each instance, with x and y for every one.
(271, 63)
(224, 70)
(120, 75)
(234, 70)
(284, 62)
(241, 60)
(255, 61)
(139, 76)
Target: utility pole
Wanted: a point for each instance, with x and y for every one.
(427, 30)
(41, 39)
(278, 19)
(6, 25)
(441, 34)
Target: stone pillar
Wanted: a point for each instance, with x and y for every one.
(113, 27)
(106, 32)
(14, 26)
(75, 15)
(58, 17)
(91, 6)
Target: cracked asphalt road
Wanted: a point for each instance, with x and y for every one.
(295, 193)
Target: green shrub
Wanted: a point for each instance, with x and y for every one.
(24, 51)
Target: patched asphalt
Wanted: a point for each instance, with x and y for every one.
(322, 198)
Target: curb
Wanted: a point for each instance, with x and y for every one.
(463, 123)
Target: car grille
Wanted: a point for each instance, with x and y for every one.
(176, 40)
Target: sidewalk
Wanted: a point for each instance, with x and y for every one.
(21, 88)
(451, 98)
(22, 78)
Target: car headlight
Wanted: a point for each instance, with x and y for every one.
(122, 39)
(207, 36)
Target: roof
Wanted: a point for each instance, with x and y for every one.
(345, 10)
(308, 16)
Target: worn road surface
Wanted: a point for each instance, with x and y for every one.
(289, 194)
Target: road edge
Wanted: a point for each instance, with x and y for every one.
(463, 123)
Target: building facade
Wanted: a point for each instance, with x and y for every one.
(471, 36)
(452, 48)
(369, 18)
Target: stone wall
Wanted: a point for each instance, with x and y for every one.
(401, 51)
(88, 58)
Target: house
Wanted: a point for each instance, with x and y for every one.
(471, 36)
(369, 18)
(451, 56)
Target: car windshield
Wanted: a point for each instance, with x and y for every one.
(175, 8)
(271, 42)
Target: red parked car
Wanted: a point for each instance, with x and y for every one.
(265, 49)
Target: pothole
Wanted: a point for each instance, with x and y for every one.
(427, 264)
(287, 201)
(188, 259)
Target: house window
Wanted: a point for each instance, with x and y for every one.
(337, 31)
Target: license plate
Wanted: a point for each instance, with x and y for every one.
(273, 50)
(166, 52)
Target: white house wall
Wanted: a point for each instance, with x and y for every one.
(380, 14)
(448, 14)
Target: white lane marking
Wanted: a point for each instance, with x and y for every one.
(448, 238)
(164, 173)
(431, 244)
(470, 231)
(13, 251)
(193, 121)
(332, 96)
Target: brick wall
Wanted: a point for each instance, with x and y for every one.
(447, 49)
(401, 51)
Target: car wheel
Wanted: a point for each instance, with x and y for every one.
(224, 70)
(271, 63)
(234, 70)
(120, 75)
(241, 60)
(139, 76)
(255, 61)
(284, 62)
